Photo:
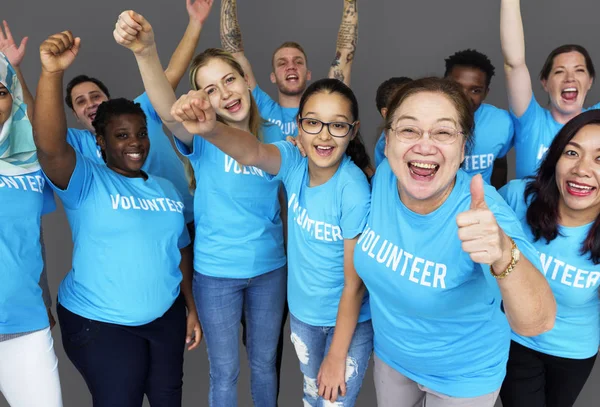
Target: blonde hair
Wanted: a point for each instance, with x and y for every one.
(201, 60)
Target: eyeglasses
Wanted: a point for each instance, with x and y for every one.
(412, 134)
(336, 129)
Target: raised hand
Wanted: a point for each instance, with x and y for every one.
(195, 113)
(58, 51)
(478, 230)
(9, 48)
(134, 32)
(199, 9)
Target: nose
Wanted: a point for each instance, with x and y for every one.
(425, 146)
(225, 93)
(324, 133)
(582, 168)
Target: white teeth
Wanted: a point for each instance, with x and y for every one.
(570, 90)
(134, 155)
(232, 104)
(424, 165)
(577, 186)
(324, 148)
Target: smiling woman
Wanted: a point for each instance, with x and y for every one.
(560, 213)
(435, 285)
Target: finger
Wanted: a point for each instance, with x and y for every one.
(132, 19)
(189, 112)
(125, 28)
(468, 218)
(471, 232)
(343, 389)
(482, 257)
(76, 45)
(125, 36)
(328, 393)
(23, 45)
(51, 47)
(477, 193)
(63, 39)
(7, 34)
(334, 394)
(198, 112)
(321, 389)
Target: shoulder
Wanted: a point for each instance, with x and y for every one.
(352, 180)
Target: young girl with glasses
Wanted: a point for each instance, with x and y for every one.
(328, 200)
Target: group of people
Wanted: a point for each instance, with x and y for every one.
(465, 287)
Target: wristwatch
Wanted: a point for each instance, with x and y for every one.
(515, 255)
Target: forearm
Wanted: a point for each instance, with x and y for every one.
(347, 318)
(27, 96)
(512, 37)
(346, 43)
(181, 58)
(528, 301)
(159, 89)
(231, 35)
(187, 271)
(49, 122)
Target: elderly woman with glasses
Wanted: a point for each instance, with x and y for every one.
(439, 255)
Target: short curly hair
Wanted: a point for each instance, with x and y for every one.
(473, 59)
(115, 107)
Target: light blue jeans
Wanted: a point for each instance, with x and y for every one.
(220, 303)
(312, 344)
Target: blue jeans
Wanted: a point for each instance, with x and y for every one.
(312, 344)
(220, 303)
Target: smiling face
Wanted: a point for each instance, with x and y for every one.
(290, 73)
(323, 150)
(578, 178)
(6, 102)
(227, 90)
(125, 144)
(425, 169)
(87, 96)
(473, 82)
(567, 85)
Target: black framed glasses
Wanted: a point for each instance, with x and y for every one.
(336, 129)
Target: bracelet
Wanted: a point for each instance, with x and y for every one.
(514, 258)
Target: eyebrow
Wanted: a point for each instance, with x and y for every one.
(89, 93)
(2, 87)
(443, 119)
(337, 115)
(576, 66)
(222, 77)
(574, 144)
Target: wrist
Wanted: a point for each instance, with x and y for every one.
(504, 261)
(193, 23)
(52, 74)
(146, 51)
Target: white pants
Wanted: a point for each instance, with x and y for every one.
(29, 371)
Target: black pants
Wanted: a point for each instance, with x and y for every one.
(286, 312)
(535, 379)
(122, 363)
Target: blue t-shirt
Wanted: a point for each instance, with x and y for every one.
(534, 132)
(162, 159)
(436, 314)
(574, 280)
(239, 232)
(282, 119)
(25, 198)
(319, 219)
(380, 150)
(494, 133)
(127, 233)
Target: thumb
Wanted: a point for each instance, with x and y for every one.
(23, 44)
(477, 193)
(76, 45)
(138, 18)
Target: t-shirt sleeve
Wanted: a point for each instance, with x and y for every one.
(184, 238)
(510, 134)
(49, 204)
(595, 107)
(195, 151)
(79, 184)
(263, 101)
(147, 107)
(380, 150)
(356, 202)
(510, 224)
(531, 119)
(290, 160)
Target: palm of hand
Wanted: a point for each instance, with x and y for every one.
(199, 9)
(15, 55)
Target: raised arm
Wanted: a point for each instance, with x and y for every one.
(231, 38)
(346, 43)
(55, 155)
(518, 80)
(198, 11)
(134, 32)
(197, 115)
(15, 57)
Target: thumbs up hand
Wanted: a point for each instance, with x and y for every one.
(479, 232)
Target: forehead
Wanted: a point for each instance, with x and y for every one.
(328, 104)
(288, 53)
(213, 72)
(85, 88)
(427, 107)
(468, 74)
(127, 120)
(588, 136)
(572, 58)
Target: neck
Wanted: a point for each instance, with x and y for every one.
(561, 117)
(426, 206)
(318, 176)
(244, 125)
(289, 101)
(571, 219)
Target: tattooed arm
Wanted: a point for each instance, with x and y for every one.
(231, 38)
(346, 43)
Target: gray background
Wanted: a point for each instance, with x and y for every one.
(396, 38)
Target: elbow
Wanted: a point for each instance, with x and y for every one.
(540, 322)
(355, 288)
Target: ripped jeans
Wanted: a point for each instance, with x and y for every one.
(312, 344)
